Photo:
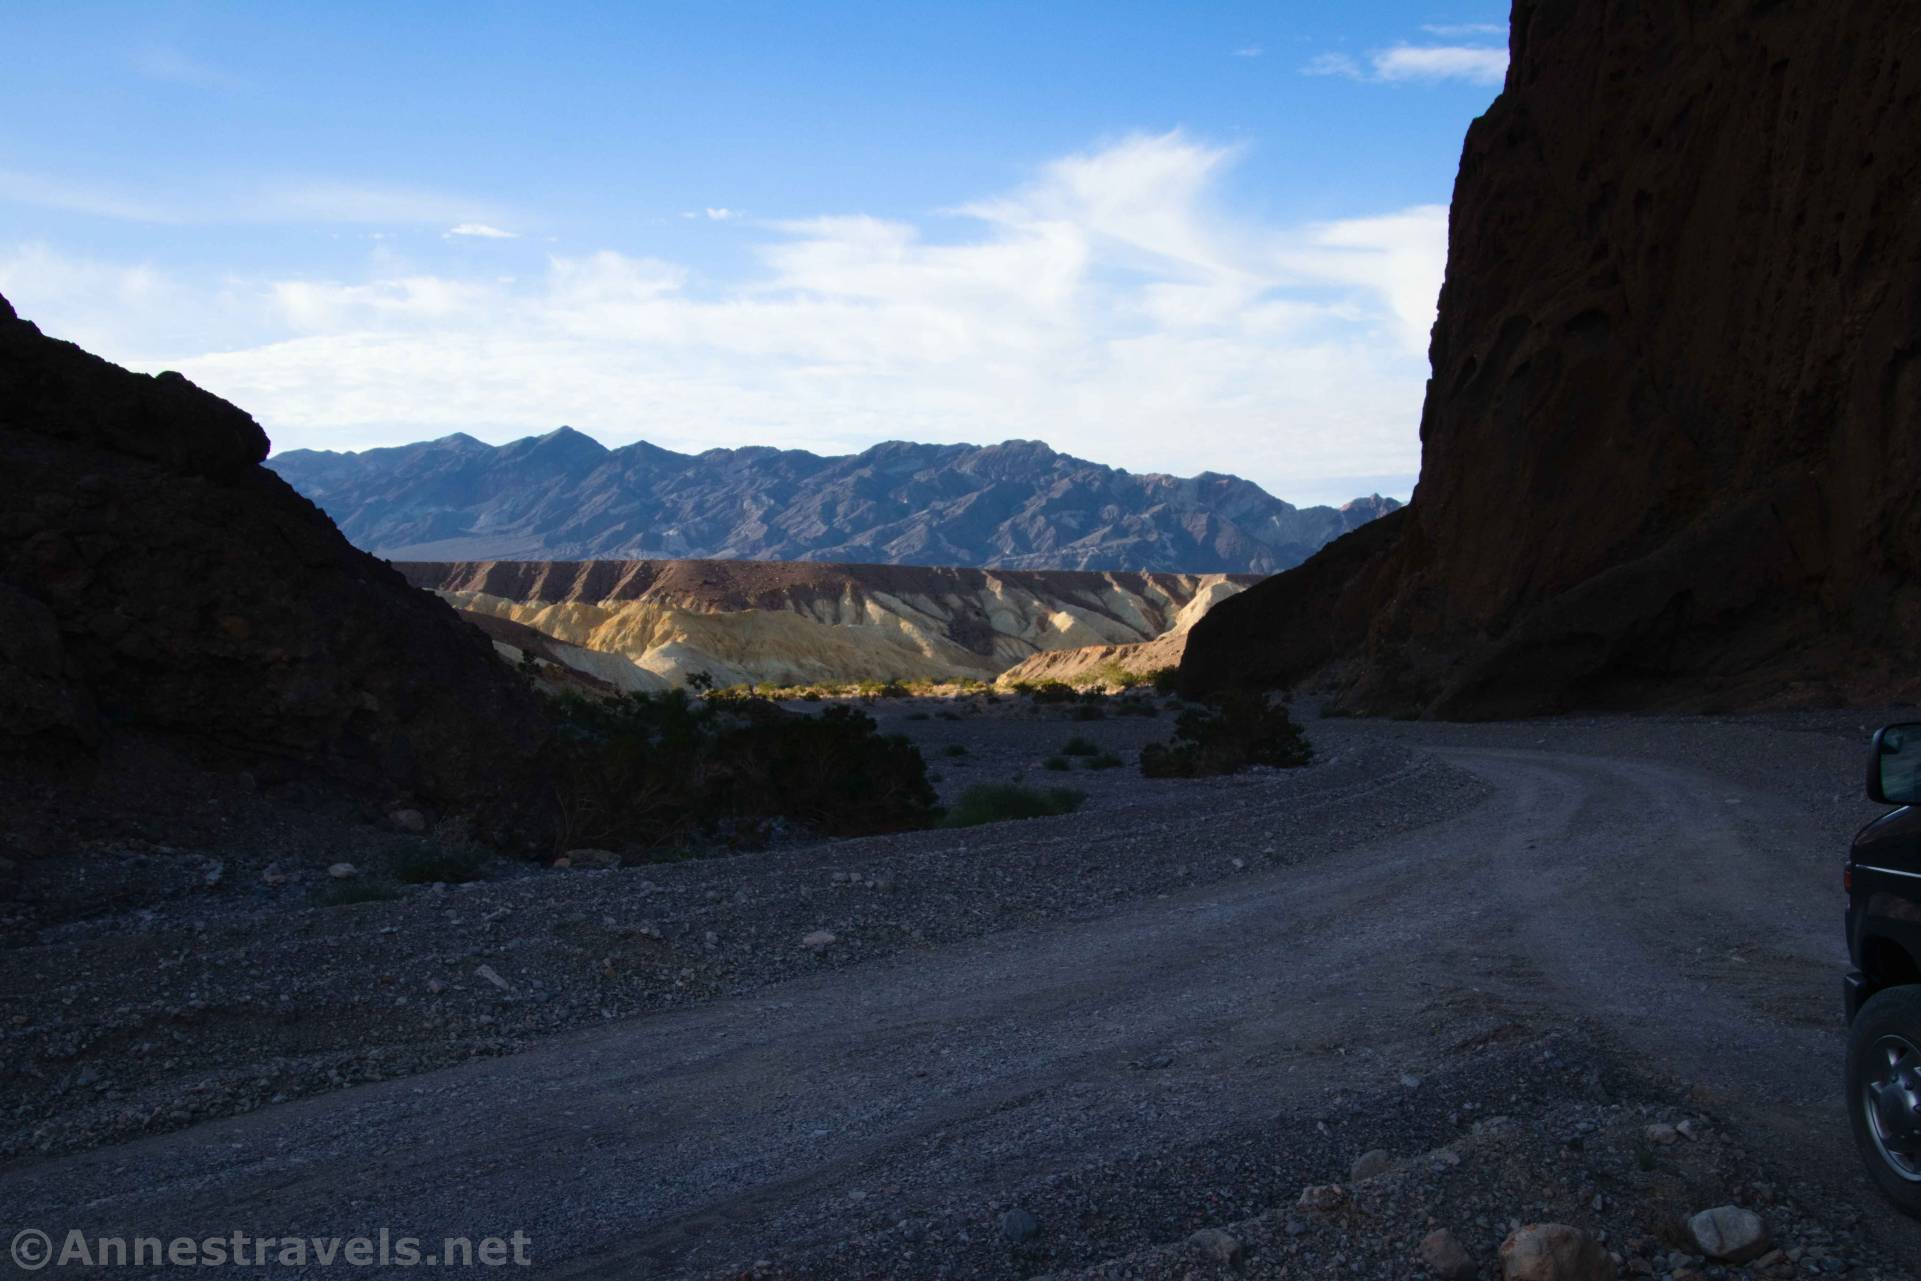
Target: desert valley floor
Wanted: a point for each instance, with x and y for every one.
(1582, 970)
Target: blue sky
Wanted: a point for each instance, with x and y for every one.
(1167, 237)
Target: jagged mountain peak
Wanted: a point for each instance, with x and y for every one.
(1018, 504)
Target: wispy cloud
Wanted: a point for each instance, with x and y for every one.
(1110, 305)
(1473, 63)
(288, 200)
(172, 66)
(1248, 51)
(1465, 30)
(484, 231)
(712, 214)
(1401, 63)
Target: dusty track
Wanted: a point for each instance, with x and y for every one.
(1686, 919)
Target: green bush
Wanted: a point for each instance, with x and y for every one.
(1236, 731)
(1090, 712)
(451, 864)
(1056, 763)
(347, 893)
(1078, 746)
(663, 770)
(999, 802)
(1166, 680)
(1106, 760)
(954, 749)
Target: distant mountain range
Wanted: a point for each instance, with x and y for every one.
(1016, 505)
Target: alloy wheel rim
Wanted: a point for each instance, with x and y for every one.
(1891, 1099)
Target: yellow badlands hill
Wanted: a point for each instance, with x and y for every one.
(803, 623)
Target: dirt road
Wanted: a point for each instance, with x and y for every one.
(1663, 896)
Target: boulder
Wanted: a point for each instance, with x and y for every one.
(1729, 1234)
(1445, 1257)
(1554, 1252)
(1218, 1245)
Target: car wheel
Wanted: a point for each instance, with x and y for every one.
(1884, 1093)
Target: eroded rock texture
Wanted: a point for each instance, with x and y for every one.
(155, 577)
(1670, 440)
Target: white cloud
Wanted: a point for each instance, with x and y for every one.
(1465, 30)
(1476, 64)
(483, 230)
(292, 200)
(1248, 51)
(1110, 306)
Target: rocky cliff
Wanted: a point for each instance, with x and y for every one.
(1670, 439)
(800, 623)
(155, 578)
(1016, 505)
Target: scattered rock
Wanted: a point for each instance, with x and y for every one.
(1369, 1164)
(1554, 1252)
(492, 976)
(591, 858)
(409, 820)
(1662, 1135)
(819, 940)
(1222, 1247)
(1729, 1234)
(1445, 1257)
(1321, 1196)
(343, 871)
(1018, 1225)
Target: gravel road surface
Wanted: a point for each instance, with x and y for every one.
(1608, 912)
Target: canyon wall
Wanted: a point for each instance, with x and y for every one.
(156, 579)
(1671, 437)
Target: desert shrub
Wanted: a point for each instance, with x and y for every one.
(1056, 763)
(1104, 760)
(451, 864)
(950, 716)
(347, 893)
(700, 682)
(998, 802)
(1226, 737)
(1078, 746)
(661, 770)
(918, 716)
(1166, 680)
(1132, 706)
(1090, 712)
(954, 749)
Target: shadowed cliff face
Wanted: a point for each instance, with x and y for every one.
(154, 577)
(1670, 440)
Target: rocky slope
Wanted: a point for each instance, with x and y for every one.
(1670, 440)
(1016, 505)
(797, 623)
(155, 580)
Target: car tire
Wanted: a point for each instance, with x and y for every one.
(1884, 1093)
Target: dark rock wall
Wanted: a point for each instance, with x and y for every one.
(155, 577)
(1670, 439)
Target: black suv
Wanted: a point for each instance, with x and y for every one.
(1883, 991)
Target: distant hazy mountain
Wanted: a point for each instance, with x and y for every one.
(1016, 505)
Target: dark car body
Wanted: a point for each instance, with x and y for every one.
(1884, 906)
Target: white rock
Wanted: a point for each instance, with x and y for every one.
(1369, 1164)
(819, 940)
(1662, 1134)
(492, 976)
(343, 871)
(1729, 1234)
